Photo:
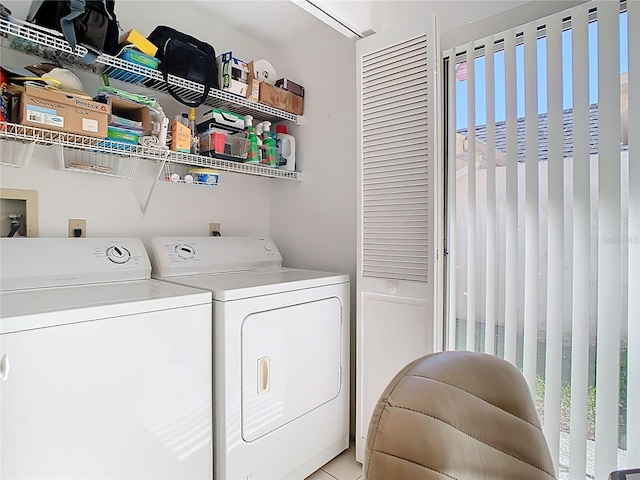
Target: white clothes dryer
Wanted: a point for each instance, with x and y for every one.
(281, 354)
(104, 372)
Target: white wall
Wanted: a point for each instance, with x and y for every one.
(314, 222)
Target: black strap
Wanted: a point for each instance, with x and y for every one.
(174, 94)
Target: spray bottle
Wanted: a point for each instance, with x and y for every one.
(253, 153)
(260, 136)
(269, 145)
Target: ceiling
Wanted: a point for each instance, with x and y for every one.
(268, 21)
(273, 21)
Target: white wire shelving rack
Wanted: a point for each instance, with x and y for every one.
(120, 159)
(106, 157)
(55, 49)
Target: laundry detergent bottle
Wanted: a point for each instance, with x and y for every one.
(285, 149)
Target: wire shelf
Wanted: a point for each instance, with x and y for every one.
(129, 152)
(55, 49)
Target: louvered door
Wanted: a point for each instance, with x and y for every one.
(395, 321)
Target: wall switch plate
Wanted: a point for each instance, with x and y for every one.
(213, 229)
(75, 225)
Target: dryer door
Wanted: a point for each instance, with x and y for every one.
(290, 363)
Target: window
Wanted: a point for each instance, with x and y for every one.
(543, 222)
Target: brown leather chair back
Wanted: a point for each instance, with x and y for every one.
(460, 415)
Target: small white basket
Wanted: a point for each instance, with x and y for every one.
(96, 162)
(15, 153)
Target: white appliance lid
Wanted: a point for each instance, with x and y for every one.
(178, 256)
(45, 307)
(49, 262)
(240, 285)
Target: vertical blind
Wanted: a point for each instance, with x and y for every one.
(543, 222)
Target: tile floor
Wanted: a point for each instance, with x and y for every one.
(343, 467)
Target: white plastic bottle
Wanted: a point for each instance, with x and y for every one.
(285, 149)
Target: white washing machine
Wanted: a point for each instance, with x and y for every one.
(281, 354)
(104, 372)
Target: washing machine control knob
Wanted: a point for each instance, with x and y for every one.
(118, 254)
(185, 251)
(268, 247)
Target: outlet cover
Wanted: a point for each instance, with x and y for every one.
(214, 227)
(77, 223)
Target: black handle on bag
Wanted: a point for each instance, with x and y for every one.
(174, 94)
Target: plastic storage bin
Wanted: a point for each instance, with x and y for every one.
(138, 58)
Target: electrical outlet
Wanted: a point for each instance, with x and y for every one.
(77, 224)
(214, 227)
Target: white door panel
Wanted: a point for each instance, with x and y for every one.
(291, 363)
(286, 451)
(396, 177)
(397, 331)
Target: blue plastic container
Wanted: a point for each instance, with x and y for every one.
(138, 58)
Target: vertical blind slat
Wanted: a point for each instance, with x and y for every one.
(471, 199)
(633, 347)
(531, 298)
(581, 246)
(452, 259)
(511, 268)
(555, 269)
(609, 234)
(491, 295)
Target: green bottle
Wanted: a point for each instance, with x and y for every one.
(253, 153)
(269, 145)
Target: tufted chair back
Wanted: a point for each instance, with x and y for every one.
(457, 415)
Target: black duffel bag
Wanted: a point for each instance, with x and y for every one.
(186, 57)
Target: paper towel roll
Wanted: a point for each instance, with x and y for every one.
(264, 71)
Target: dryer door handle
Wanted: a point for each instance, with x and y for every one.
(4, 367)
(263, 375)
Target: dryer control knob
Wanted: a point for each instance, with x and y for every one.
(118, 254)
(185, 252)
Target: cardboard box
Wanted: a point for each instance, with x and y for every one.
(137, 40)
(130, 110)
(233, 73)
(280, 98)
(180, 137)
(253, 85)
(53, 110)
(290, 86)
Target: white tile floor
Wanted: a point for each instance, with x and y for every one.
(343, 467)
